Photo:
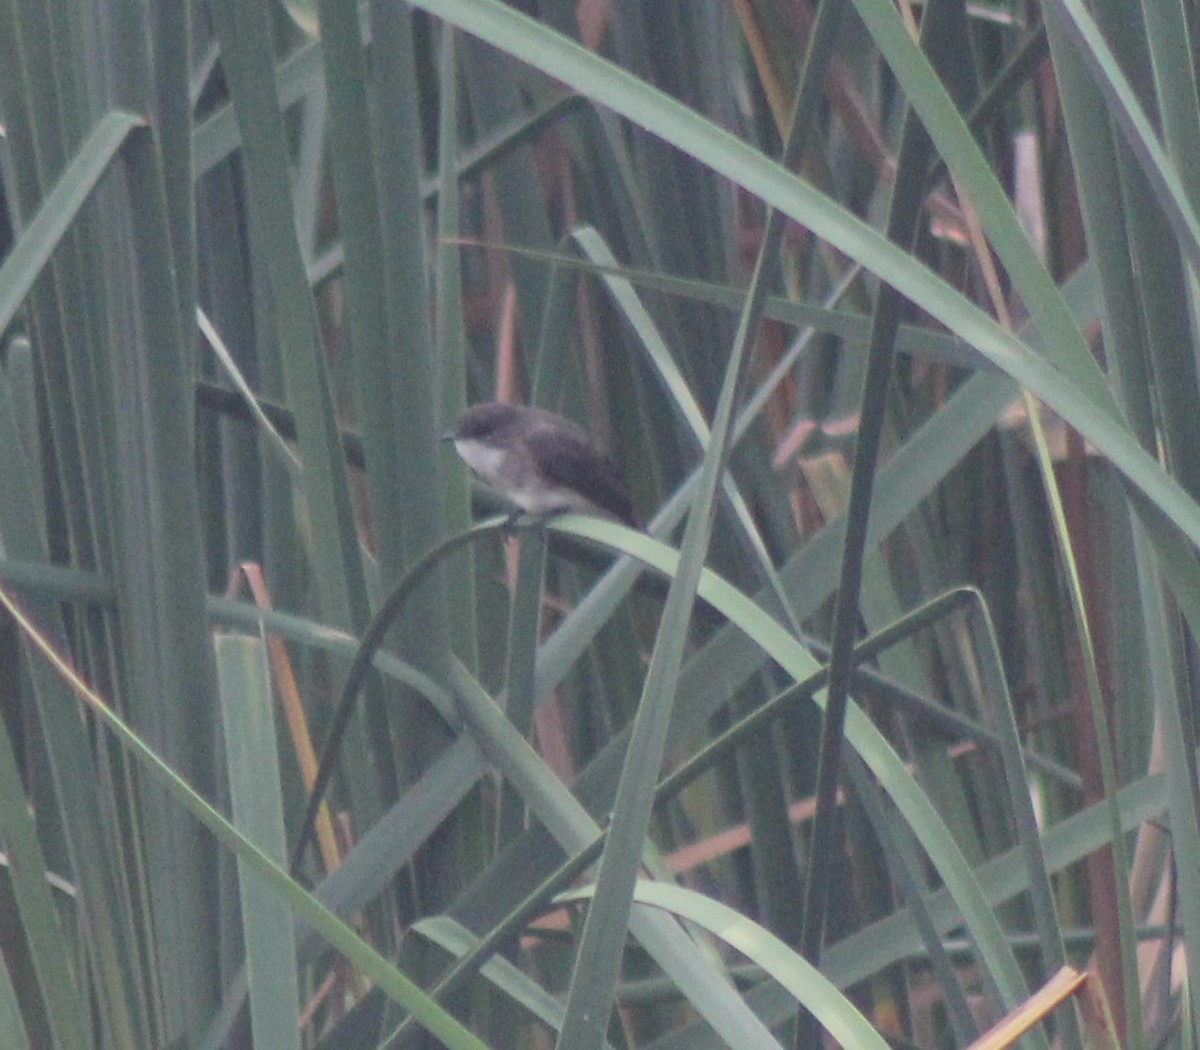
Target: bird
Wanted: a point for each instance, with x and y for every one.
(539, 461)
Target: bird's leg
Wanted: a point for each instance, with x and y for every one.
(519, 518)
(509, 528)
(541, 522)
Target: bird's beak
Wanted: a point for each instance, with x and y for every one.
(448, 436)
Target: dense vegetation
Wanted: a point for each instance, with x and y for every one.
(887, 720)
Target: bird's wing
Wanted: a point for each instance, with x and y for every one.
(565, 459)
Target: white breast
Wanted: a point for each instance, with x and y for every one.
(518, 481)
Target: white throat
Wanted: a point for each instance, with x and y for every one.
(486, 460)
